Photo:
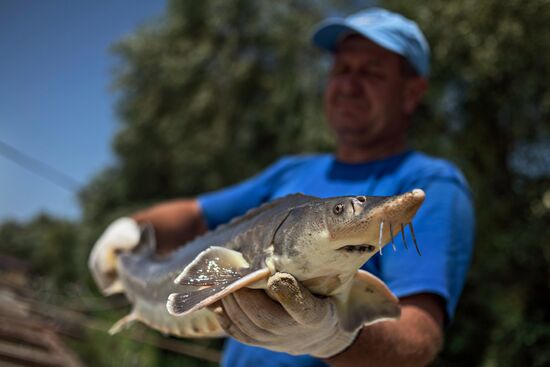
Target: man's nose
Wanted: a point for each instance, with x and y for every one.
(350, 85)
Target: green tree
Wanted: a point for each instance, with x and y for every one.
(212, 94)
(46, 243)
(489, 111)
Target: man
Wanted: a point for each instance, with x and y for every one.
(381, 62)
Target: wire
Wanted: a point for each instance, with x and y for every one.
(39, 168)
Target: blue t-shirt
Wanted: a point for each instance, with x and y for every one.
(444, 225)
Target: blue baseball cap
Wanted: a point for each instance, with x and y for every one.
(389, 30)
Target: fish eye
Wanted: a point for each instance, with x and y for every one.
(338, 209)
(361, 199)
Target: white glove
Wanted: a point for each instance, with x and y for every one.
(300, 323)
(120, 236)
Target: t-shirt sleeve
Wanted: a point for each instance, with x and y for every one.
(444, 229)
(220, 206)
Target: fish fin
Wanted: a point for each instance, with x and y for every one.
(115, 287)
(181, 304)
(147, 241)
(369, 301)
(271, 208)
(200, 324)
(123, 323)
(214, 266)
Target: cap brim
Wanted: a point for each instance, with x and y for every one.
(329, 33)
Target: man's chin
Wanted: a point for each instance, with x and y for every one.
(353, 137)
(351, 128)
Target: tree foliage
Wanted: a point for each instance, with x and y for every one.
(46, 243)
(215, 90)
(213, 93)
(489, 111)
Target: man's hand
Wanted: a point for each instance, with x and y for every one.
(299, 323)
(176, 222)
(120, 236)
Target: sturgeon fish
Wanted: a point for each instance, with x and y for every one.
(321, 242)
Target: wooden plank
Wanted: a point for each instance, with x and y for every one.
(10, 364)
(37, 339)
(72, 323)
(24, 331)
(28, 356)
(67, 321)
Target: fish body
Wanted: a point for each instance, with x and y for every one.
(321, 242)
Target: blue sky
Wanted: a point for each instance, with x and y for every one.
(55, 103)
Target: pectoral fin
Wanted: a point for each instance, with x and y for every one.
(123, 323)
(215, 273)
(214, 266)
(369, 301)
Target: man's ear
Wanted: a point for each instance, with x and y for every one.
(414, 91)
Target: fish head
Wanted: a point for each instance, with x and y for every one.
(335, 236)
(364, 224)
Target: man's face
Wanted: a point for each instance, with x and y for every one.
(368, 99)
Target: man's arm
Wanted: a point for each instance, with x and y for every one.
(301, 323)
(413, 340)
(175, 222)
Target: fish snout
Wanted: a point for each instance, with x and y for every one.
(398, 212)
(403, 208)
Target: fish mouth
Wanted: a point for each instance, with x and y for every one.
(360, 249)
(368, 248)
